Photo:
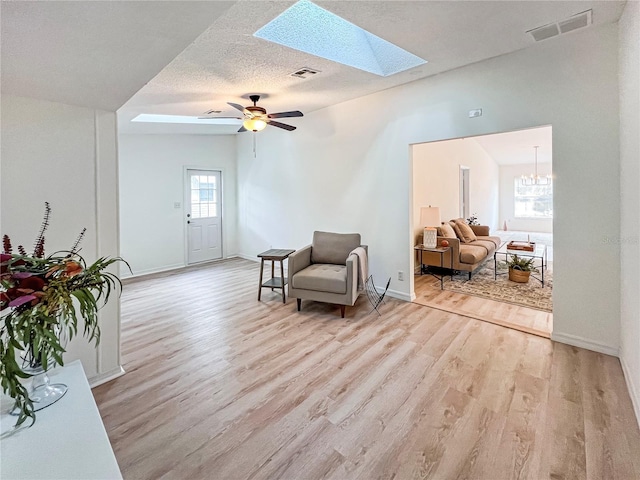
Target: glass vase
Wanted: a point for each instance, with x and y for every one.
(42, 392)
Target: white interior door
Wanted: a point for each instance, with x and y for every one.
(465, 185)
(204, 215)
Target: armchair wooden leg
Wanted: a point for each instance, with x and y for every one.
(299, 302)
(342, 309)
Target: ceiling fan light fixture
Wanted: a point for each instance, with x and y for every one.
(254, 124)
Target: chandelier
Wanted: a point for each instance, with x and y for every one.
(534, 178)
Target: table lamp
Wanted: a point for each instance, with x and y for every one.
(430, 219)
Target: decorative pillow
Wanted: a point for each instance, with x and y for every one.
(446, 230)
(464, 232)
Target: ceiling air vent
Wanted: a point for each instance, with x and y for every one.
(577, 21)
(542, 33)
(574, 22)
(304, 73)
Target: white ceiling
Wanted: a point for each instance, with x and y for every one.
(513, 148)
(95, 53)
(99, 53)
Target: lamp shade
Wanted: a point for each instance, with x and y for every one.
(254, 124)
(430, 216)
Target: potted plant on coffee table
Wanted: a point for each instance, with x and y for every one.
(520, 268)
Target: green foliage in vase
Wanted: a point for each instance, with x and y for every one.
(41, 300)
(520, 263)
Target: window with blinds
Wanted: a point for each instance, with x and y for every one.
(203, 196)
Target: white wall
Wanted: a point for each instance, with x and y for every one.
(65, 155)
(152, 180)
(339, 173)
(507, 190)
(436, 180)
(629, 240)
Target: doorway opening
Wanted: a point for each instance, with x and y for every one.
(499, 203)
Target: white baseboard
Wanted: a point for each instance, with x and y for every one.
(151, 271)
(251, 258)
(396, 294)
(172, 268)
(106, 376)
(582, 342)
(634, 393)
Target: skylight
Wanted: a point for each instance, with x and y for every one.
(311, 29)
(152, 118)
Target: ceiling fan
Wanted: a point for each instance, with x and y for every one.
(256, 118)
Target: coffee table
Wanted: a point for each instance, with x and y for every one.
(539, 253)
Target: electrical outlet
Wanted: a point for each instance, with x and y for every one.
(475, 113)
(401, 276)
(176, 205)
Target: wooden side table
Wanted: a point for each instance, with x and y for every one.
(441, 251)
(274, 255)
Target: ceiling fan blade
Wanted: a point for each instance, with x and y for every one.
(281, 125)
(294, 113)
(242, 129)
(238, 107)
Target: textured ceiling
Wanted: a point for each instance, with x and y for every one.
(95, 53)
(99, 53)
(226, 63)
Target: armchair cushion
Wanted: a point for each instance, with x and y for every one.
(322, 277)
(333, 248)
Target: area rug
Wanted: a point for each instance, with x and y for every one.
(482, 284)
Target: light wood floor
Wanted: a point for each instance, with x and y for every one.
(220, 386)
(530, 320)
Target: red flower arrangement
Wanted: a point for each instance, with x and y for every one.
(41, 299)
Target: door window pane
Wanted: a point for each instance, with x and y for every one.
(204, 196)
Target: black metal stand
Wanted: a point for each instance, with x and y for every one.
(372, 294)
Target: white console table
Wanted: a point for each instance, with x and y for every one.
(68, 440)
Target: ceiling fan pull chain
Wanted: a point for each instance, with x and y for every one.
(254, 145)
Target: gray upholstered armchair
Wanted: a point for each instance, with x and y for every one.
(324, 271)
